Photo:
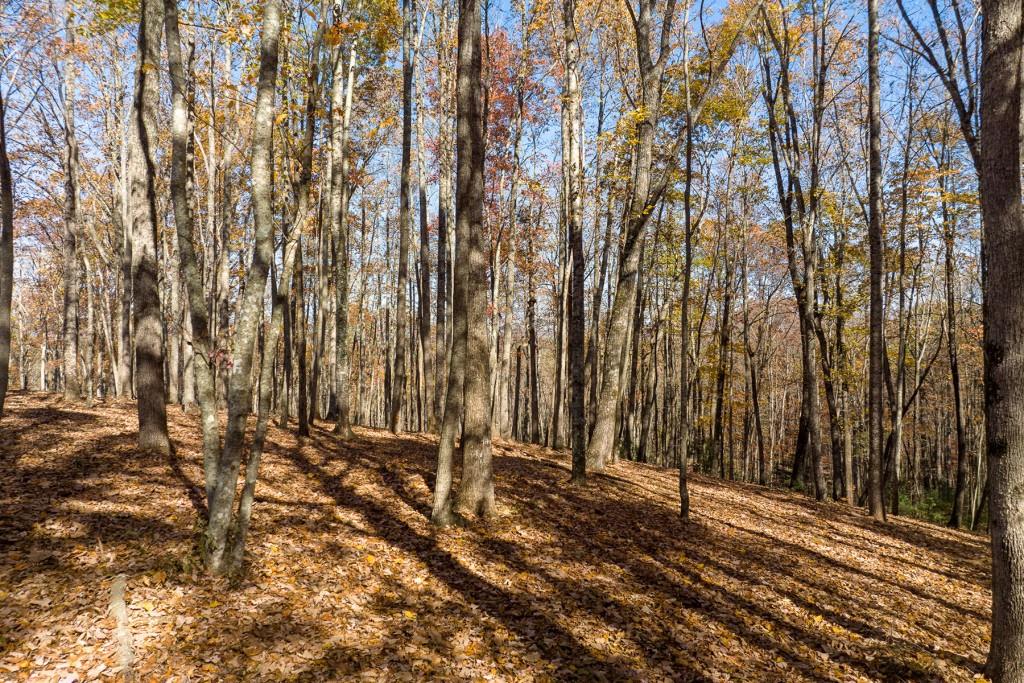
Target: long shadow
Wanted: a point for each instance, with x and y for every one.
(655, 638)
(903, 530)
(853, 519)
(853, 569)
(196, 495)
(517, 613)
(871, 660)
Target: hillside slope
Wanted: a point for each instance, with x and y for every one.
(347, 579)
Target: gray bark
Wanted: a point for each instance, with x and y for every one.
(1003, 218)
(149, 342)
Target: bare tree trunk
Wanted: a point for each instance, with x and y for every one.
(684, 334)
(72, 381)
(341, 110)
(149, 342)
(718, 449)
(554, 435)
(7, 261)
(572, 171)
(202, 342)
(476, 489)
(639, 209)
(301, 327)
(443, 284)
(404, 218)
(531, 331)
(1003, 280)
(220, 556)
(123, 208)
(876, 503)
(426, 341)
(962, 468)
(89, 340)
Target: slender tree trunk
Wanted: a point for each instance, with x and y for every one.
(426, 341)
(301, 327)
(875, 229)
(7, 262)
(404, 218)
(962, 468)
(202, 342)
(72, 380)
(640, 206)
(149, 342)
(531, 332)
(341, 111)
(220, 556)
(572, 171)
(684, 333)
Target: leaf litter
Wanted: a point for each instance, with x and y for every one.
(347, 580)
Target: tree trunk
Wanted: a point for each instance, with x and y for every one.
(949, 238)
(476, 489)
(202, 343)
(149, 342)
(875, 236)
(404, 219)
(639, 209)
(572, 171)
(7, 261)
(1003, 281)
(220, 557)
(72, 381)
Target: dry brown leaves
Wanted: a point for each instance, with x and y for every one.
(347, 580)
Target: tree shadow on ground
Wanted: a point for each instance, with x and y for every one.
(347, 579)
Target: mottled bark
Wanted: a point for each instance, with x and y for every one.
(476, 489)
(220, 557)
(72, 380)
(341, 111)
(149, 341)
(404, 219)
(572, 171)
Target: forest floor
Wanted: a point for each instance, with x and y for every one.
(348, 581)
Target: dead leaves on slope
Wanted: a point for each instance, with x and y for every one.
(348, 581)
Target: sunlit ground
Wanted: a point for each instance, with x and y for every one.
(347, 580)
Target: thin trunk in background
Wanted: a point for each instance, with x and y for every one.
(875, 381)
(404, 220)
(7, 260)
(72, 380)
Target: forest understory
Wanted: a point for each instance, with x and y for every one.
(346, 579)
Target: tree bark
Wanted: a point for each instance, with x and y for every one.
(875, 500)
(72, 380)
(639, 209)
(1003, 218)
(572, 171)
(7, 260)
(476, 489)
(962, 467)
(149, 342)
(341, 111)
(404, 219)
(220, 557)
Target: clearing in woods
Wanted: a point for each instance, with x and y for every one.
(347, 579)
